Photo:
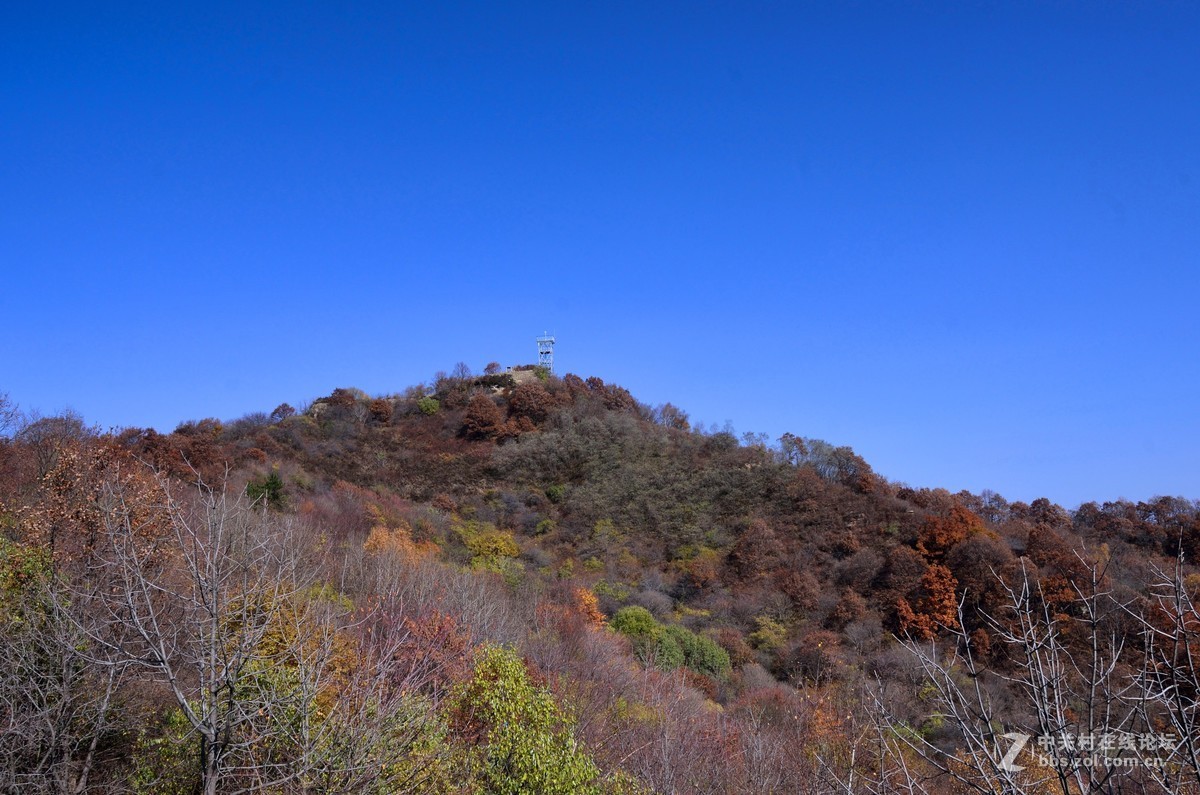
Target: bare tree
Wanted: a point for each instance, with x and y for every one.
(57, 713)
(192, 608)
(10, 415)
(1063, 692)
(48, 437)
(1167, 688)
(278, 681)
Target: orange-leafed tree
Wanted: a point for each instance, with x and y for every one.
(940, 534)
(588, 606)
(936, 605)
(482, 419)
(530, 401)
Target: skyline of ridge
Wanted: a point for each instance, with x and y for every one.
(959, 238)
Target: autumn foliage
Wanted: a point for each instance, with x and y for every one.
(490, 586)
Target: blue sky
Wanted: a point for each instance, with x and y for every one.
(960, 237)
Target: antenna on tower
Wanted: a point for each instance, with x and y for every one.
(545, 345)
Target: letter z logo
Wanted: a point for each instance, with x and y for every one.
(1007, 763)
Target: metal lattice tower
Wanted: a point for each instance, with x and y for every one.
(545, 345)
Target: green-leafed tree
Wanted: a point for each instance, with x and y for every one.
(524, 742)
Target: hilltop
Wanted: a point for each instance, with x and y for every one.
(686, 610)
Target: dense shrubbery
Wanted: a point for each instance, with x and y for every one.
(670, 647)
(438, 568)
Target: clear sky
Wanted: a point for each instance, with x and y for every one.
(962, 238)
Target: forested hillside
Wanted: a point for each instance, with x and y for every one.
(477, 586)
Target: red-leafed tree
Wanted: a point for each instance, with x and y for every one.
(530, 401)
(482, 419)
